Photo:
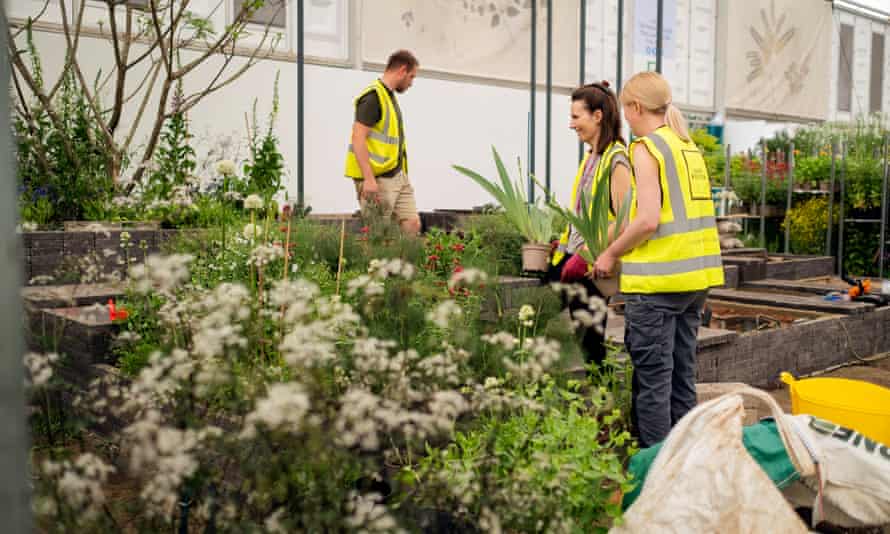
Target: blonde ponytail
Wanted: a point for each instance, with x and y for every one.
(675, 120)
(653, 93)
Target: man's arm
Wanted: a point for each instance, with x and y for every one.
(360, 148)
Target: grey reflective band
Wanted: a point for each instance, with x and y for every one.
(377, 136)
(682, 227)
(671, 267)
(562, 248)
(376, 157)
(678, 206)
(681, 223)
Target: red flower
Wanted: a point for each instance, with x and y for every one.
(285, 210)
(115, 314)
(459, 247)
(432, 258)
(439, 247)
(455, 260)
(365, 229)
(459, 269)
(282, 229)
(466, 292)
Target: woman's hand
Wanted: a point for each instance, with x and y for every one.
(604, 265)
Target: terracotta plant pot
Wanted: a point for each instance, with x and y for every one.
(535, 257)
(609, 287)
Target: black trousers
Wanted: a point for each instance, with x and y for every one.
(591, 339)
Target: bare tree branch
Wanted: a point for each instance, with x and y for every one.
(71, 56)
(237, 25)
(148, 74)
(35, 88)
(33, 19)
(153, 7)
(156, 68)
(120, 66)
(192, 100)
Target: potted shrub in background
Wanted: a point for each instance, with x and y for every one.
(533, 221)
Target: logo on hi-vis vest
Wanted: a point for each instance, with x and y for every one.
(697, 170)
(849, 436)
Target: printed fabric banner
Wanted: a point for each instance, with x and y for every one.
(485, 38)
(779, 57)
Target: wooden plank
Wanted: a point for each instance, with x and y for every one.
(814, 303)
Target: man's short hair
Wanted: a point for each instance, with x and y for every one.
(401, 58)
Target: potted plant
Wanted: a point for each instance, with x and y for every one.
(532, 221)
(593, 224)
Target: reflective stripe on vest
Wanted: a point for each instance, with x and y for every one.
(383, 139)
(684, 252)
(605, 162)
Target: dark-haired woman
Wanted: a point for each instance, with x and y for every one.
(596, 119)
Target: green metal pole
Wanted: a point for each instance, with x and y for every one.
(14, 495)
(763, 197)
(532, 95)
(659, 37)
(548, 111)
(830, 199)
(788, 202)
(301, 74)
(620, 51)
(582, 64)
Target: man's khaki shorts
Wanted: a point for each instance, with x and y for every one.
(396, 196)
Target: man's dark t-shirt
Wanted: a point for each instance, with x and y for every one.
(368, 112)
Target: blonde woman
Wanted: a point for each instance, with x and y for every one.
(670, 257)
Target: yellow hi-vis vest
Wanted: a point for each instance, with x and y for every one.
(384, 138)
(684, 252)
(604, 165)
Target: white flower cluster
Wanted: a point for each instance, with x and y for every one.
(26, 226)
(125, 202)
(369, 515)
(313, 325)
(225, 167)
(539, 355)
(252, 231)
(41, 279)
(265, 254)
(467, 277)
(445, 313)
(180, 196)
(216, 320)
(161, 273)
(364, 284)
(526, 315)
(80, 483)
(365, 417)
(167, 455)
(283, 408)
(253, 202)
(593, 316)
(395, 267)
(40, 367)
(502, 339)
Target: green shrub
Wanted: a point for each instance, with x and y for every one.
(809, 225)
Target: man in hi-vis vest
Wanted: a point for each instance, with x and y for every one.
(377, 159)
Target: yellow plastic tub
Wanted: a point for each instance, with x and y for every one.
(855, 404)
